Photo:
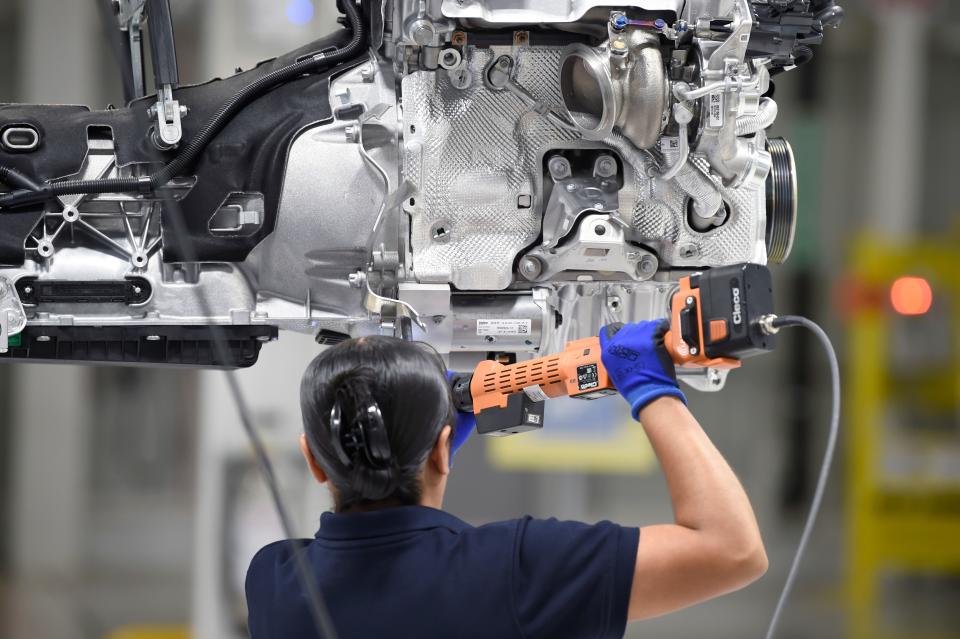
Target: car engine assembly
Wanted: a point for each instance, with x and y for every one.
(495, 177)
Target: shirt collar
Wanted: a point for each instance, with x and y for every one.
(388, 521)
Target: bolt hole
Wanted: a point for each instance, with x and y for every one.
(413, 201)
(413, 129)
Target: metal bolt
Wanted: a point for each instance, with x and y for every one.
(504, 62)
(368, 72)
(28, 289)
(352, 133)
(422, 32)
(152, 338)
(647, 265)
(357, 279)
(530, 267)
(618, 20)
(605, 166)
(137, 290)
(689, 300)
(559, 168)
(694, 350)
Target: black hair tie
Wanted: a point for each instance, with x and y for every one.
(357, 428)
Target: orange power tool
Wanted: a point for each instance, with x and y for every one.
(716, 320)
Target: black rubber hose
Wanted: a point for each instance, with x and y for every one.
(189, 154)
(16, 179)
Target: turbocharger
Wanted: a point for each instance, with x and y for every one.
(621, 85)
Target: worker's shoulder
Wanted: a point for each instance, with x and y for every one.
(274, 554)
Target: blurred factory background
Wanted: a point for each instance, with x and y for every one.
(130, 506)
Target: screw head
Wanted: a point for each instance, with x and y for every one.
(422, 32)
(600, 229)
(530, 267)
(689, 300)
(605, 166)
(647, 265)
(559, 168)
(618, 21)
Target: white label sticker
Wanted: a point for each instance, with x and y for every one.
(535, 393)
(503, 326)
(668, 144)
(715, 106)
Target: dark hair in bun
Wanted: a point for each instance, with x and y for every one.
(372, 409)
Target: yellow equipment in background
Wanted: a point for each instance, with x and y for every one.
(903, 434)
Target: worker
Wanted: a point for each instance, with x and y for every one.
(381, 431)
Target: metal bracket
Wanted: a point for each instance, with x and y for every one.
(168, 111)
(13, 319)
(600, 245)
(572, 196)
(381, 305)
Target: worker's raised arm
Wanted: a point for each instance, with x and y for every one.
(714, 545)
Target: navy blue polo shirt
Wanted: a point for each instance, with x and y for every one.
(414, 571)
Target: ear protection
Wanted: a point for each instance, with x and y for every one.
(357, 428)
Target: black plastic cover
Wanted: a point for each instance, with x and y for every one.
(521, 414)
(248, 156)
(740, 295)
(188, 346)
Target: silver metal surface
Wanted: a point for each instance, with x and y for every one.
(13, 319)
(541, 11)
(471, 186)
(599, 251)
(621, 85)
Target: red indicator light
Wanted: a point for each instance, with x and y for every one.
(911, 295)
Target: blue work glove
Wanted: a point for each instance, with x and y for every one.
(638, 363)
(466, 424)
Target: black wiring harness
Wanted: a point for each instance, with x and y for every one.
(29, 192)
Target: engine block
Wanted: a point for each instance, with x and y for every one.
(491, 176)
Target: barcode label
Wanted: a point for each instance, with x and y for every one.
(503, 326)
(715, 107)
